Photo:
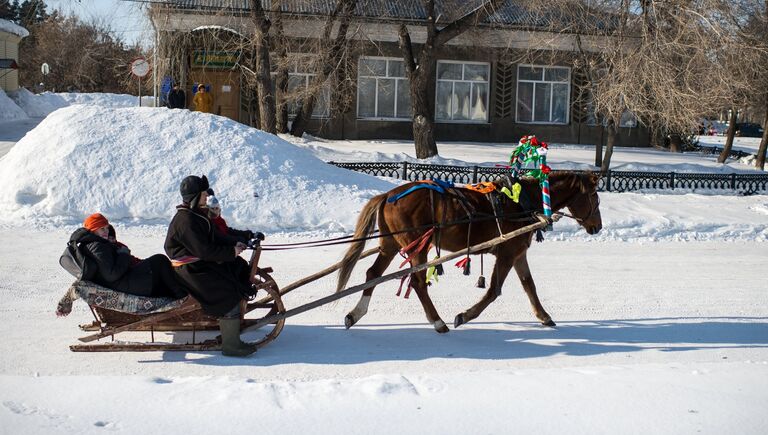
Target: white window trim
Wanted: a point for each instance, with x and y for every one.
(376, 96)
(533, 96)
(453, 85)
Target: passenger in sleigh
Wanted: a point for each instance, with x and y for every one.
(209, 263)
(118, 270)
(223, 230)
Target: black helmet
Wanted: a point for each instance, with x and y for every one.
(191, 187)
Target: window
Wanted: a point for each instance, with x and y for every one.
(543, 94)
(382, 89)
(300, 76)
(462, 91)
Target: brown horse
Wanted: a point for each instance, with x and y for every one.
(424, 208)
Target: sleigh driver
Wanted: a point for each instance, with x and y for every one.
(209, 263)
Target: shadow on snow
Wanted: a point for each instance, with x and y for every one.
(365, 343)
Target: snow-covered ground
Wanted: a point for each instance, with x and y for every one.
(662, 317)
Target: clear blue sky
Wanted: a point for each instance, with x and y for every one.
(127, 19)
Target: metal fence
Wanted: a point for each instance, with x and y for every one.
(612, 181)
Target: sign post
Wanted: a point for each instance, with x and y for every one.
(45, 69)
(139, 68)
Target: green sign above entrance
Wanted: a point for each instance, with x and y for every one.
(215, 59)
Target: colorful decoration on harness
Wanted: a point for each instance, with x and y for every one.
(530, 151)
(432, 273)
(513, 194)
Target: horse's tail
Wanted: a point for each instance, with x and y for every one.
(366, 223)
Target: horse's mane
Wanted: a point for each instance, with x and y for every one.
(584, 182)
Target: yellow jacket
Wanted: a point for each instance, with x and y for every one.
(203, 102)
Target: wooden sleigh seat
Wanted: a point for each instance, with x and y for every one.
(116, 312)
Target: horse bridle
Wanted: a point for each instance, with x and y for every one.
(593, 205)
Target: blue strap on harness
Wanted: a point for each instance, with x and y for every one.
(440, 186)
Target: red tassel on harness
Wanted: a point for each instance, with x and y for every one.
(408, 288)
(464, 265)
(416, 246)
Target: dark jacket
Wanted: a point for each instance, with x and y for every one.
(177, 99)
(219, 280)
(114, 268)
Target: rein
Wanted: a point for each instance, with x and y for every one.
(513, 217)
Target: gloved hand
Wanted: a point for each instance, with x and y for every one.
(258, 235)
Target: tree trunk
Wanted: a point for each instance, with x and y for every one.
(421, 109)
(609, 143)
(423, 119)
(281, 77)
(760, 162)
(675, 143)
(729, 137)
(263, 78)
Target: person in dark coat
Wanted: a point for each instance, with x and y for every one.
(177, 99)
(119, 270)
(210, 265)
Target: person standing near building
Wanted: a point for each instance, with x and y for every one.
(203, 100)
(177, 99)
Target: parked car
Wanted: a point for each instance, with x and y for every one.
(749, 129)
(717, 128)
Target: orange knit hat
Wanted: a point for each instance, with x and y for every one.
(95, 221)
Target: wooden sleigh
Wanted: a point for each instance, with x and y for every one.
(116, 313)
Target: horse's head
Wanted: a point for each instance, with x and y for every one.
(584, 203)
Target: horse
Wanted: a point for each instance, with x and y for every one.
(461, 218)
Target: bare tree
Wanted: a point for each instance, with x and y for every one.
(420, 67)
(326, 60)
(260, 41)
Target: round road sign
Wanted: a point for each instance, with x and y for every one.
(140, 67)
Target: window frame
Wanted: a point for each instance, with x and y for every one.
(409, 118)
(533, 94)
(306, 76)
(462, 80)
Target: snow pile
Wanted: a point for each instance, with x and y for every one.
(37, 106)
(100, 99)
(128, 163)
(9, 111)
(40, 105)
(7, 26)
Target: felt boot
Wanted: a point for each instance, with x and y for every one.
(231, 345)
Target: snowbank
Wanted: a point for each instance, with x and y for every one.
(127, 163)
(41, 105)
(37, 106)
(9, 111)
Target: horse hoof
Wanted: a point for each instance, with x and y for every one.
(549, 323)
(441, 327)
(349, 321)
(458, 321)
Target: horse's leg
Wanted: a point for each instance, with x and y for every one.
(500, 271)
(524, 273)
(419, 283)
(386, 254)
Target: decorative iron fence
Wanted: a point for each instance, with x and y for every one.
(612, 181)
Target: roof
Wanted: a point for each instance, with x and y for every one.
(510, 13)
(13, 28)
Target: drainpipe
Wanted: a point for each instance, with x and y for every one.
(154, 64)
